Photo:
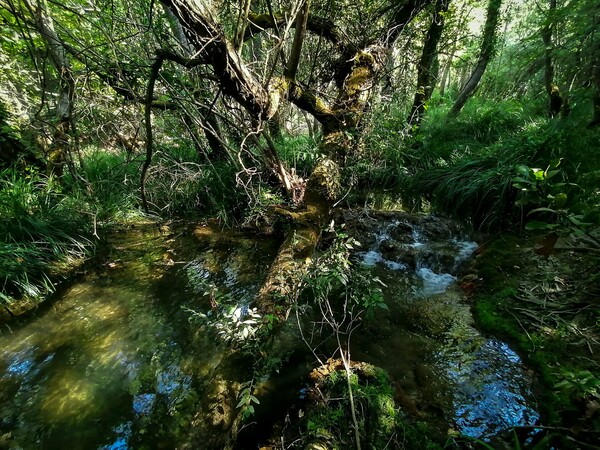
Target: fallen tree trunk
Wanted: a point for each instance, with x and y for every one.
(217, 423)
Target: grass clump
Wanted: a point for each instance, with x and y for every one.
(465, 167)
(41, 232)
(298, 152)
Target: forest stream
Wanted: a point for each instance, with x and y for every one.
(114, 361)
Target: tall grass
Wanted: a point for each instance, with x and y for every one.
(298, 152)
(464, 167)
(477, 156)
(40, 228)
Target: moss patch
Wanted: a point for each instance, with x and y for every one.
(542, 306)
(328, 422)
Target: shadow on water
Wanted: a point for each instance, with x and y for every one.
(114, 362)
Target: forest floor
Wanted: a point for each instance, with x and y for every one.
(547, 305)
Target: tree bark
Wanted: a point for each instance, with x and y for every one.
(555, 98)
(596, 98)
(485, 54)
(425, 73)
(59, 154)
(596, 73)
(219, 419)
(301, 23)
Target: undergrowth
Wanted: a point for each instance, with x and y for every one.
(40, 229)
(517, 302)
(464, 167)
(382, 424)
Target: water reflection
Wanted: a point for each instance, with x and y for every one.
(114, 363)
(489, 391)
(442, 367)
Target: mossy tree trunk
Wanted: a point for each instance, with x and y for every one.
(425, 73)
(340, 121)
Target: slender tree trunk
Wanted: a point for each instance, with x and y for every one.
(425, 68)
(446, 72)
(486, 53)
(553, 91)
(596, 98)
(58, 155)
(596, 71)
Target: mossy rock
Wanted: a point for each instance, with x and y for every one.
(328, 421)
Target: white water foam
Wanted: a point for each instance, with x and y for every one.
(373, 257)
(434, 283)
(465, 250)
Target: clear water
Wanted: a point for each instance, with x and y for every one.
(114, 363)
(444, 370)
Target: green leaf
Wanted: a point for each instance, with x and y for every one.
(563, 384)
(523, 170)
(560, 200)
(535, 225)
(536, 210)
(555, 163)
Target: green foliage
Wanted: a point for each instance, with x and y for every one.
(7, 131)
(259, 211)
(536, 187)
(110, 187)
(476, 190)
(228, 321)
(579, 384)
(178, 185)
(246, 400)
(333, 276)
(467, 167)
(382, 425)
(40, 227)
(550, 199)
(299, 152)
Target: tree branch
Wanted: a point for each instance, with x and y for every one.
(317, 25)
(211, 45)
(148, 120)
(401, 16)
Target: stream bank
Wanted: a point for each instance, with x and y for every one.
(118, 360)
(445, 379)
(545, 303)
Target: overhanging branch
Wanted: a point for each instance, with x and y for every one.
(317, 25)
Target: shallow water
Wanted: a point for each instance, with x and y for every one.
(444, 370)
(114, 363)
